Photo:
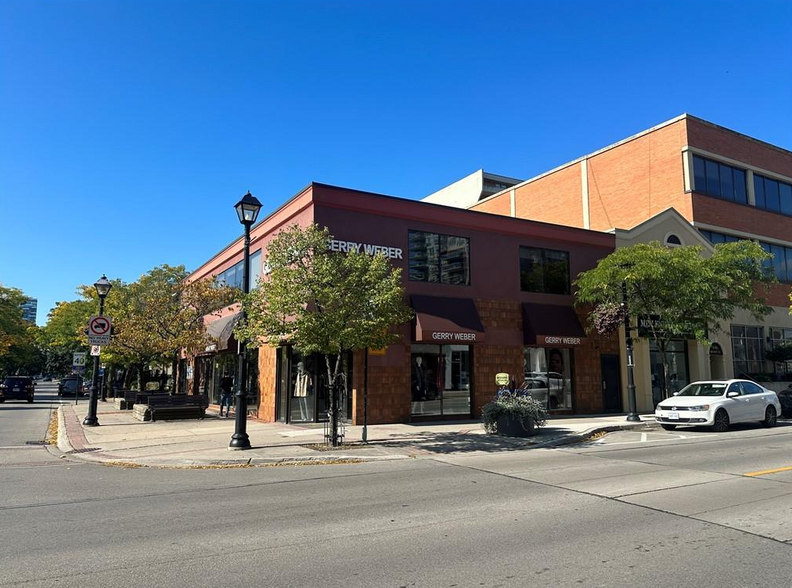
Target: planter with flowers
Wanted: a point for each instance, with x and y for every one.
(513, 414)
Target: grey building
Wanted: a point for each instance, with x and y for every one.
(29, 309)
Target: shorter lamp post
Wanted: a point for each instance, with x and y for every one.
(633, 414)
(102, 289)
(247, 210)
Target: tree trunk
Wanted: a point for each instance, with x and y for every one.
(141, 377)
(174, 367)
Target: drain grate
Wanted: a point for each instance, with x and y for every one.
(35, 442)
(85, 450)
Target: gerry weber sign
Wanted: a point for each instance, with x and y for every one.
(367, 248)
(555, 340)
(441, 336)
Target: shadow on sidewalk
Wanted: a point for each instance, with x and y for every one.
(456, 442)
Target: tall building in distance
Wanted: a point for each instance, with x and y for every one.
(29, 309)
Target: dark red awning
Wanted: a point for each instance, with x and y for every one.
(446, 320)
(554, 325)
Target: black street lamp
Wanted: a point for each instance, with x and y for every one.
(247, 209)
(633, 414)
(102, 289)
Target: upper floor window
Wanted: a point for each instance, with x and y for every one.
(441, 259)
(782, 256)
(544, 270)
(232, 277)
(672, 240)
(720, 180)
(773, 195)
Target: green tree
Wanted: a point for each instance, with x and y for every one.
(679, 292)
(19, 352)
(63, 334)
(324, 302)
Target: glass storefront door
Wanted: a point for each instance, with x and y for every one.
(678, 374)
(548, 375)
(441, 380)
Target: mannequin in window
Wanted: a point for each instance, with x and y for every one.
(418, 379)
(302, 388)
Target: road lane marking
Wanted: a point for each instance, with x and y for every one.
(774, 471)
(643, 437)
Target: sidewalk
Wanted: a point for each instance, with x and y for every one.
(122, 440)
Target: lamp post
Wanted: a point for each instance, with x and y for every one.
(247, 211)
(633, 414)
(102, 288)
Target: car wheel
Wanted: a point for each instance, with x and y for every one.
(770, 417)
(721, 423)
(669, 427)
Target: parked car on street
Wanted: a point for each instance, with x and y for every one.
(785, 398)
(17, 388)
(71, 386)
(718, 404)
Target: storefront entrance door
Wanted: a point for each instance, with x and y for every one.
(611, 383)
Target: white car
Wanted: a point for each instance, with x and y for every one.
(719, 403)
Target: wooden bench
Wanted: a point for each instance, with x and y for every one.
(125, 399)
(169, 407)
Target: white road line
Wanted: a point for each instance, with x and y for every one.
(643, 437)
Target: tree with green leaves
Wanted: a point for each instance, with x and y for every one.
(161, 314)
(679, 293)
(63, 334)
(324, 302)
(19, 353)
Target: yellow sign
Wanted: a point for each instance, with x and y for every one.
(502, 379)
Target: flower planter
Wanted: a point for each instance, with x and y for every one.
(514, 426)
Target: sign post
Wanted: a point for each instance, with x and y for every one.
(78, 366)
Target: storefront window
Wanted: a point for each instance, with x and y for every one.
(748, 349)
(678, 375)
(440, 380)
(302, 393)
(548, 375)
(781, 338)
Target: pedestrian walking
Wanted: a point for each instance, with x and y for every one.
(226, 391)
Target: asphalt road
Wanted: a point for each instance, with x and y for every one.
(624, 511)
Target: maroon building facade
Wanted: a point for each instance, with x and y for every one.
(490, 295)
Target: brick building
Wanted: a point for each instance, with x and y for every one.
(490, 294)
(726, 185)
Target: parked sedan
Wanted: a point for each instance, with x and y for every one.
(717, 404)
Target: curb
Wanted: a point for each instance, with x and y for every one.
(70, 451)
(586, 435)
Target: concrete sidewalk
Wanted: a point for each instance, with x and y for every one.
(122, 440)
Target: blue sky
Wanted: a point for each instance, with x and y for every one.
(129, 129)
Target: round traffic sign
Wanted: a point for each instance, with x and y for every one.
(99, 325)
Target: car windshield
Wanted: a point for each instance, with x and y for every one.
(16, 381)
(704, 389)
(70, 384)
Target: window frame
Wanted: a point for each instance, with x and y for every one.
(442, 238)
(542, 251)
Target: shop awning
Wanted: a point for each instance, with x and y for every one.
(446, 320)
(551, 325)
(223, 330)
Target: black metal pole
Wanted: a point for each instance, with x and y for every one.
(633, 414)
(240, 439)
(365, 398)
(90, 419)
